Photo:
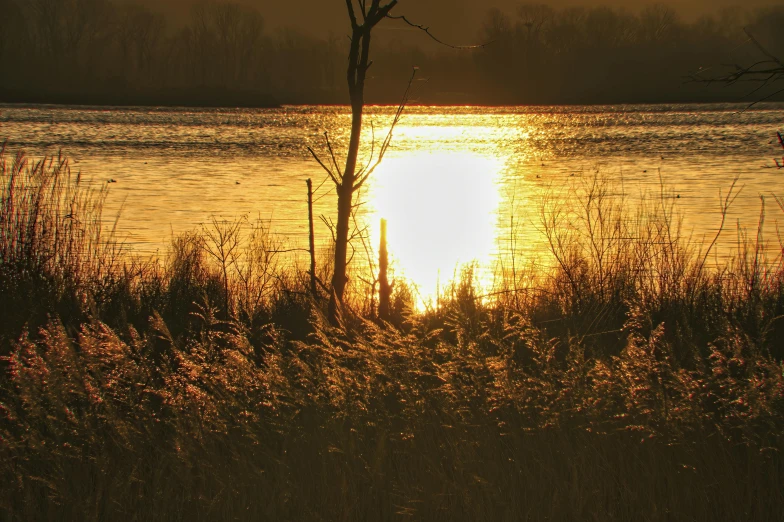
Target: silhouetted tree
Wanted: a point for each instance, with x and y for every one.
(99, 51)
(69, 33)
(656, 23)
(226, 36)
(11, 31)
(139, 36)
(766, 71)
(364, 18)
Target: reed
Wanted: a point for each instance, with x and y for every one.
(210, 386)
(53, 246)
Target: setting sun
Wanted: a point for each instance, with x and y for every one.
(441, 209)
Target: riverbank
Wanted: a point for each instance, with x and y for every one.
(631, 382)
(196, 97)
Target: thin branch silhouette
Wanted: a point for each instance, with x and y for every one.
(426, 30)
(765, 72)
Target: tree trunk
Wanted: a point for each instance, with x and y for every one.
(358, 64)
(384, 288)
(357, 69)
(311, 241)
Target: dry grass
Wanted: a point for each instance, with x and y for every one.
(209, 386)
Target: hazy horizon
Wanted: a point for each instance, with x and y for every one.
(322, 18)
(236, 54)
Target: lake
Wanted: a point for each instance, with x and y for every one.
(457, 184)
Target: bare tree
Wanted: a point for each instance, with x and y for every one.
(532, 19)
(765, 72)
(139, 36)
(64, 29)
(364, 16)
(656, 21)
(11, 31)
(225, 36)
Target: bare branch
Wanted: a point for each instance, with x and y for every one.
(765, 82)
(388, 140)
(761, 48)
(726, 203)
(330, 225)
(747, 76)
(766, 98)
(426, 30)
(369, 256)
(763, 72)
(364, 169)
(384, 11)
(321, 185)
(332, 154)
(351, 15)
(378, 12)
(329, 171)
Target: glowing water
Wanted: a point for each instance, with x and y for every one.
(458, 184)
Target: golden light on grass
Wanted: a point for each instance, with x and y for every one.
(442, 212)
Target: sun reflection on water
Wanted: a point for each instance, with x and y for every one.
(458, 184)
(441, 210)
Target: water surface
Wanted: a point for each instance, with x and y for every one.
(457, 184)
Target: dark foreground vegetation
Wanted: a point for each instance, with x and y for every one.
(631, 383)
(222, 53)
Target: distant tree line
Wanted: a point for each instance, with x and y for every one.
(102, 51)
(605, 55)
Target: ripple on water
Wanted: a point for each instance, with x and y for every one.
(175, 168)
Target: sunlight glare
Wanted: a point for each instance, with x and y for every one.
(441, 210)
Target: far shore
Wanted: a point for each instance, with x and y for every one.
(191, 98)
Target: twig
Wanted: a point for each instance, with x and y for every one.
(329, 171)
(388, 139)
(426, 30)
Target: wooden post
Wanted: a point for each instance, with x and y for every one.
(384, 289)
(313, 289)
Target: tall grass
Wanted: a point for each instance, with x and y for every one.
(613, 260)
(53, 248)
(632, 382)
